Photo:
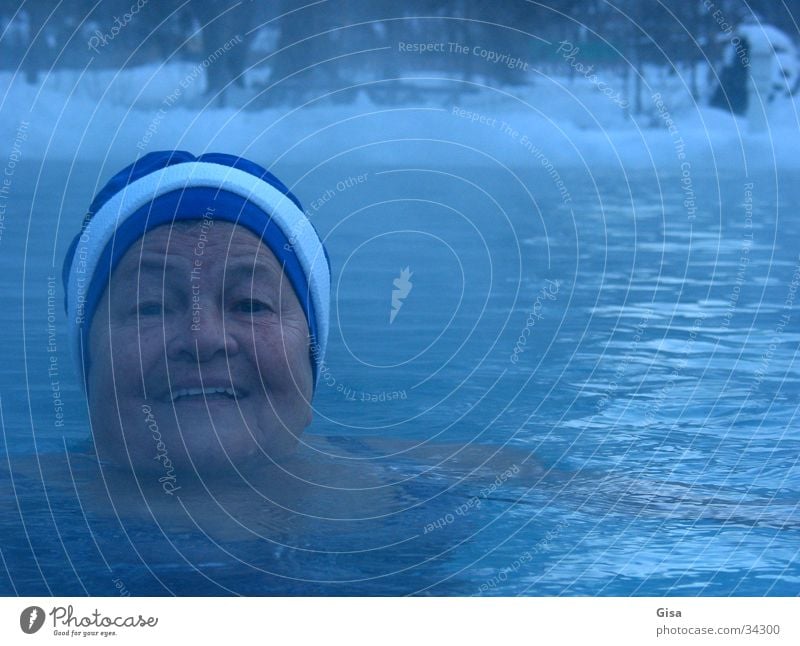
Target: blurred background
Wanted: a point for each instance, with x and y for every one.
(292, 50)
(147, 63)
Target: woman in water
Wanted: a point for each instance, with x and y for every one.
(195, 293)
(197, 296)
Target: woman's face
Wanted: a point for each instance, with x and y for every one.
(199, 352)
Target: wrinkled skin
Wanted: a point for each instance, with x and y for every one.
(192, 307)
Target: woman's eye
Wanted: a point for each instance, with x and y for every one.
(252, 306)
(149, 309)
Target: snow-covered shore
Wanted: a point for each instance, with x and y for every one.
(115, 116)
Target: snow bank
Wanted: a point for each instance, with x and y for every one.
(115, 116)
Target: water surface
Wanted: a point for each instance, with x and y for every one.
(590, 392)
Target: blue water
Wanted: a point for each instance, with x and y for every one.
(642, 439)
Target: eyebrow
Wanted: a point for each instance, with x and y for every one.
(248, 268)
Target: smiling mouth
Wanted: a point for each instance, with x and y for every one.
(205, 394)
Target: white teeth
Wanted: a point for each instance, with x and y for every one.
(189, 392)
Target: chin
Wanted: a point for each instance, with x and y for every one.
(204, 440)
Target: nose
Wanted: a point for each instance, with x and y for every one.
(203, 336)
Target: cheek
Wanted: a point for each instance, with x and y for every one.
(283, 360)
(118, 357)
(105, 387)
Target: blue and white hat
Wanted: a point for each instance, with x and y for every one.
(170, 186)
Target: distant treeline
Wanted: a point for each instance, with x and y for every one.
(328, 43)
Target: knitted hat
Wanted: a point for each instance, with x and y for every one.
(164, 187)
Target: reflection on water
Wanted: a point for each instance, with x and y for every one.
(643, 439)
